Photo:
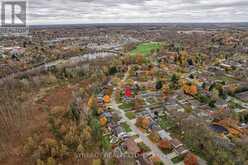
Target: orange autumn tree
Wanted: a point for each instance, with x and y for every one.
(164, 145)
(193, 90)
(154, 137)
(190, 89)
(155, 159)
(190, 159)
(139, 58)
(99, 111)
(143, 122)
(106, 99)
(103, 121)
(91, 102)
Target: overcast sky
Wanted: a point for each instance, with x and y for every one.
(135, 11)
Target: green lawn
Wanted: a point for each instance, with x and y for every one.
(144, 147)
(126, 127)
(145, 48)
(165, 123)
(126, 106)
(130, 115)
(105, 141)
(177, 159)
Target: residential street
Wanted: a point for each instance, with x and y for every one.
(154, 148)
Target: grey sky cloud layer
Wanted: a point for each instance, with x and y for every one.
(121, 11)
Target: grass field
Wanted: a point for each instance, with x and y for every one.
(130, 115)
(145, 48)
(126, 127)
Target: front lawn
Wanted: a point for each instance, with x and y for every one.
(143, 147)
(105, 141)
(126, 127)
(165, 123)
(130, 115)
(177, 159)
(126, 106)
(166, 151)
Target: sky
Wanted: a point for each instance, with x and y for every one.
(136, 11)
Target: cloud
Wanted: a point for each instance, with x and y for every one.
(114, 11)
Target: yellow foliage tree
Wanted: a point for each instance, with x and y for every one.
(103, 121)
(51, 161)
(91, 102)
(106, 99)
(193, 90)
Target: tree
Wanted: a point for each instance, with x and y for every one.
(106, 99)
(164, 145)
(96, 162)
(139, 121)
(91, 102)
(64, 151)
(73, 112)
(103, 121)
(139, 59)
(113, 70)
(190, 159)
(193, 90)
(80, 149)
(154, 136)
(159, 85)
(96, 128)
(51, 161)
(40, 162)
(174, 81)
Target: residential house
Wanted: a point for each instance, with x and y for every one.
(142, 160)
(153, 125)
(107, 115)
(164, 135)
(220, 104)
(176, 143)
(243, 96)
(181, 150)
(132, 147)
(119, 132)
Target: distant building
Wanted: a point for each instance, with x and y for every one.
(16, 52)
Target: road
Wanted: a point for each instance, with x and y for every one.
(154, 148)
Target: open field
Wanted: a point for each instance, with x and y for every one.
(145, 48)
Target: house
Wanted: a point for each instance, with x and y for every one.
(243, 96)
(108, 116)
(153, 125)
(17, 52)
(119, 132)
(220, 103)
(181, 150)
(173, 107)
(164, 135)
(132, 147)
(100, 98)
(176, 143)
(142, 160)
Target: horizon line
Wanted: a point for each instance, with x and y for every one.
(101, 23)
